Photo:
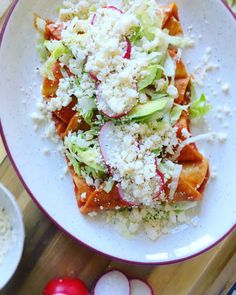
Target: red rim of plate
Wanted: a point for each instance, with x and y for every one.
(13, 5)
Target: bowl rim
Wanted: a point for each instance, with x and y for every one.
(21, 237)
(43, 210)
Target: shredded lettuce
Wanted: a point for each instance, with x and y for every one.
(153, 72)
(198, 107)
(41, 49)
(88, 117)
(83, 148)
(180, 42)
(40, 24)
(193, 90)
(148, 18)
(157, 152)
(184, 206)
(136, 35)
(155, 95)
(169, 66)
(175, 114)
(108, 185)
(55, 55)
(52, 45)
(87, 112)
(74, 162)
(88, 157)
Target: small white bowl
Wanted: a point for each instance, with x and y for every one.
(12, 258)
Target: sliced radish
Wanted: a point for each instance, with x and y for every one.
(93, 19)
(114, 8)
(113, 282)
(123, 198)
(128, 49)
(162, 180)
(93, 76)
(139, 287)
(111, 145)
(108, 143)
(108, 112)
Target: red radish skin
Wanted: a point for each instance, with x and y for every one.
(70, 286)
(114, 281)
(122, 196)
(128, 49)
(114, 8)
(140, 287)
(106, 141)
(104, 147)
(94, 77)
(93, 19)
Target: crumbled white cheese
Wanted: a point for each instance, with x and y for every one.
(226, 110)
(133, 164)
(154, 221)
(200, 36)
(50, 133)
(46, 151)
(172, 91)
(83, 195)
(219, 80)
(65, 170)
(225, 87)
(202, 70)
(213, 172)
(64, 95)
(226, 125)
(185, 133)
(222, 137)
(208, 50)
(7, 235)
(92, 214)
(37, 118)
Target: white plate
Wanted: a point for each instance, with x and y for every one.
(13, 256)
(40, 174)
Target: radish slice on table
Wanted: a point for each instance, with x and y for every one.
(128, 49)
(108, 112)
(113, 282)
(139, 287)
(114, 8)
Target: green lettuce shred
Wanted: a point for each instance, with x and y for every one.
(41, 49)
(153, 72)
(175, 114)
(198, 107)
(55, 55)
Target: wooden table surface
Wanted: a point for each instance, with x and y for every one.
(49, 253)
